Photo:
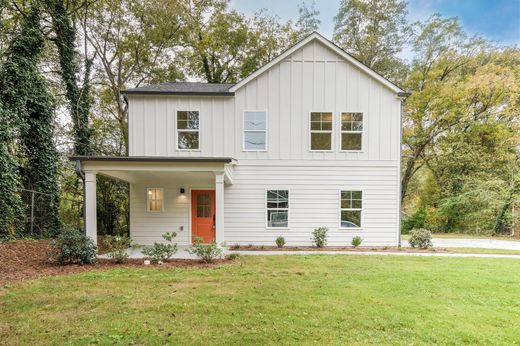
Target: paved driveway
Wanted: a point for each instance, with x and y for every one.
(481, 243)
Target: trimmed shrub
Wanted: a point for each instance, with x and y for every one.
(160, 251)
(421, 238)
(72, 246)
(356, 241)
(117, 246)
(208, 253)
(319, 236)
(280, 241)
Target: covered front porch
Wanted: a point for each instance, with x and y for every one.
(167, 194)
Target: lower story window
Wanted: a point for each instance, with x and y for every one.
(155, 198)
(351, 205)
(277, 208)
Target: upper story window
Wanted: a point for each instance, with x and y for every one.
(155, 199)
(277, 208)
(188, 130)
(255, 131)
(351, 131)
(351, 205)
(321, 130)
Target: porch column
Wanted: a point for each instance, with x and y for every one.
(219, 201)
(90, 206)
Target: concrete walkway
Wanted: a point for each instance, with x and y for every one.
(182, 253)
(478, 243)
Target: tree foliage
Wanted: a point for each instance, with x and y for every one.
(78, 97)
(27, 100)
(374, 32)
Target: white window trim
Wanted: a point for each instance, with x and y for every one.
(362, 208)
(341, 132)
(148, 200)
(182, 130)
(288, 209)
(244, 130)
(321, 131)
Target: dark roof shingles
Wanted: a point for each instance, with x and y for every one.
(183, 88)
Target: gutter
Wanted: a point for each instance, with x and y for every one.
(403, 95)
(81, 174)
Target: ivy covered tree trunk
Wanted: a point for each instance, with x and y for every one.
(27, 100)
(11, 211)
(79, 99)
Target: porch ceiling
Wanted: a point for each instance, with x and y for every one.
(134, 169)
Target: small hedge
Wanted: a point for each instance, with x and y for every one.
(421, 238)
(72, 246)
(280, 241)
(319, 236)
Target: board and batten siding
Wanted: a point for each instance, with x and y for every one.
(313, 78)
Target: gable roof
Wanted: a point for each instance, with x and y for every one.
(329, 44)
(226, 89)
(184, 88)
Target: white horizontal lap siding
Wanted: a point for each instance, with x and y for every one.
(148, 227)
(314, 202)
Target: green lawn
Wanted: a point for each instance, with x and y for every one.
(274, 300)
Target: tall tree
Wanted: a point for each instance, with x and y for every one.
(135, 42)
(78, 96)
(374, 32)
(455, 81)
(27, 99)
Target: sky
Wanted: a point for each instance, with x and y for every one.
(497, 20)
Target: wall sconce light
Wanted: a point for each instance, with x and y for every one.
(182, 190)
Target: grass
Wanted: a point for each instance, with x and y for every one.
(478, 250)
(465, 236)
(315, 299)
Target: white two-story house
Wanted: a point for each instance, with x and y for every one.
(311, 139)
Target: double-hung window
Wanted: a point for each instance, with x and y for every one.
(155, 199)
(188, 126)
(351, 131)
(321, 130)
(255, 131)
(277, 208)
(351, 206)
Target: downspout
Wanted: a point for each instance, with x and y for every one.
(402, 96)
(81, 174)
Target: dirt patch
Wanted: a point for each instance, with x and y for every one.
(338, 248)
(27, 259)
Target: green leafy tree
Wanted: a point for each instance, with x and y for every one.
(374, 32)
(26, 98)
(78, 96)
(455, 82)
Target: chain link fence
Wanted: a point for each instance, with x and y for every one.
(36, 212)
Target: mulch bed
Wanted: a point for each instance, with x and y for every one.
(22, 260)
(337, 248)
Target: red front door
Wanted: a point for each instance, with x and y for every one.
(203, 215)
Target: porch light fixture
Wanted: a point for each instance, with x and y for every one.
(182, 190)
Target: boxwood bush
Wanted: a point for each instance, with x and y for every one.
(421, 238)
(72, 246)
